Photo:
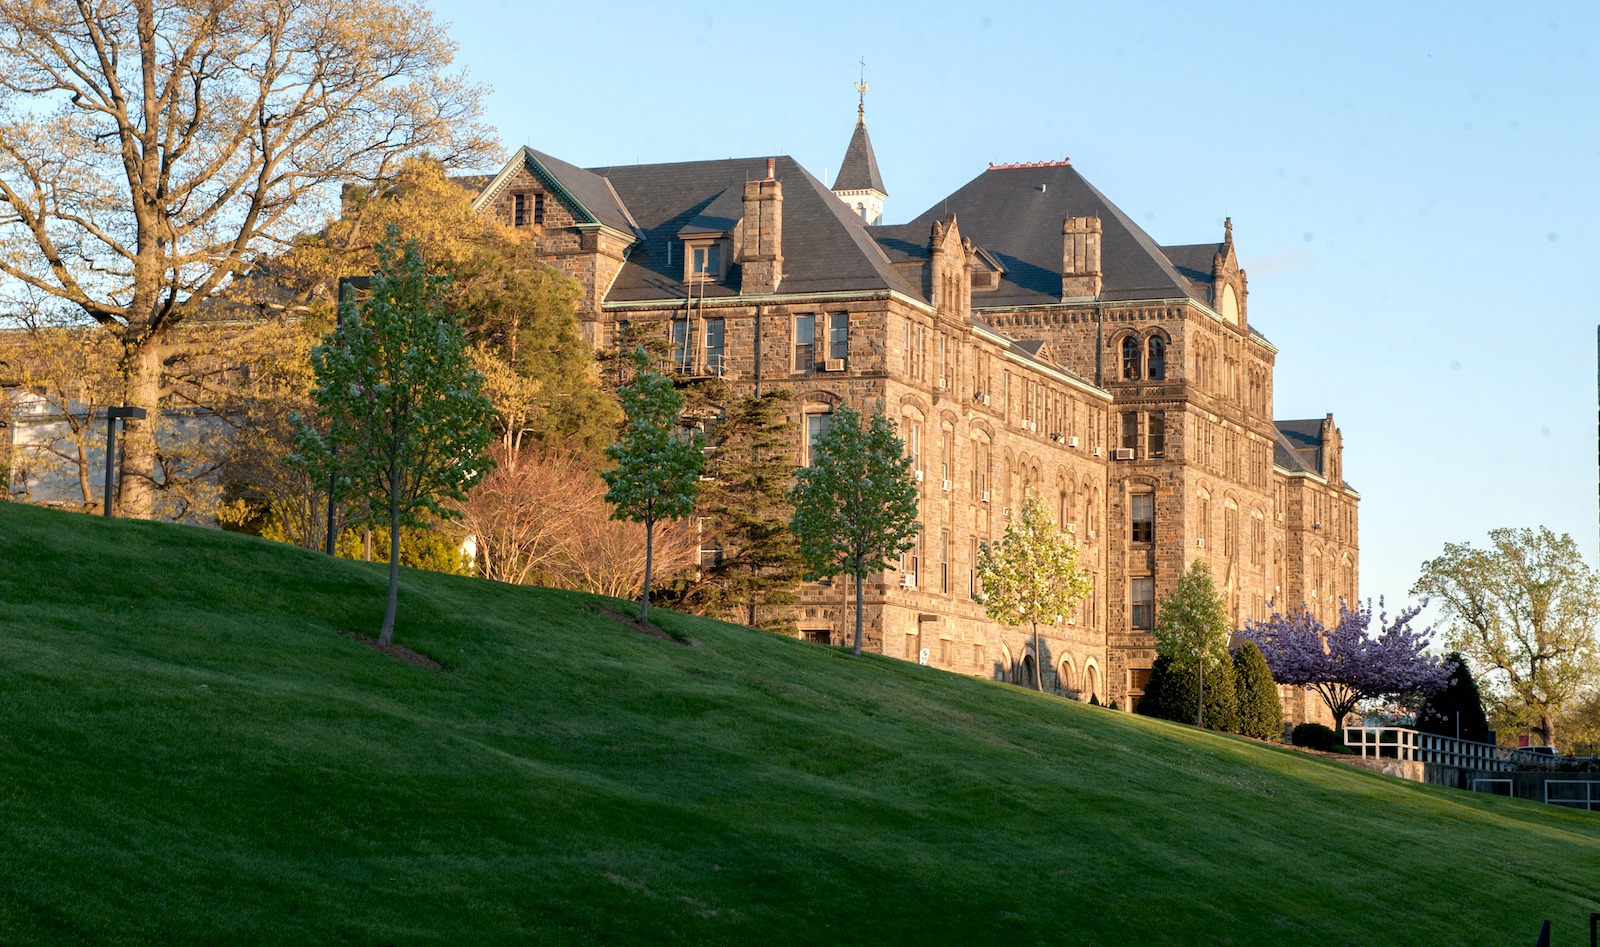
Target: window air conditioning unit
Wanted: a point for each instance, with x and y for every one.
(908, 580)
(1031, 425)
(985, 497)
(1124, 453)
(1201, 542)
(1072, 442)
(1059, 438)
(981, 398)
(1095, 452)
(833, 365)
(1280, 517)
(1072, 527)
(1091, 534)
(916, 475)
(948, 486)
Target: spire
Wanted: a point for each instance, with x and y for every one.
(859, 170)
(861, 87)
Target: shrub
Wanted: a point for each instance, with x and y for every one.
(1260, 712)
(1171, 696)
(1315, 736)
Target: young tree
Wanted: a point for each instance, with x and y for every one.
(1032, 575)
(1524, 611)
(1344, 665)
(744, 500)
(149, 152)
(1192, 629)
(1457, 710)
(657, 471)
(855, 507)
(1260, 710)
(405, 422)
(1171, 694)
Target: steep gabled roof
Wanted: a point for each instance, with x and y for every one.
(826, 248)
(1194, 261)
(591, 197)
(1016, 212)
(859, 170)
(1299, 446)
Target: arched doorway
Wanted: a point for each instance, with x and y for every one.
(1027, 668)
(1091, 682)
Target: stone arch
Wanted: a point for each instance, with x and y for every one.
(1129, 358)
(1156, 343)
(1066, 676)
(1091, 680)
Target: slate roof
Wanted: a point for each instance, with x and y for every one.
(826, 248)
(1015, 213)
(1193, 261)
(1299, 446)
(859, 170)
(591, 190)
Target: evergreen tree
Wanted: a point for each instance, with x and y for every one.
(1192, 629)
(745, 501)
(1171, 694)
(406, 423)
(1032, 575)
(1260, 710)
(1456, 711)
(657, 472)
(855, 507)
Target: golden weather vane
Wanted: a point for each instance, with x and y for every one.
(861, 87)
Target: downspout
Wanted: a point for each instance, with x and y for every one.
(758, 351)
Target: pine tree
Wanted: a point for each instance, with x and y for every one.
(855, 507)
(1260, 711)
(1171, 694)
(405, 420)
(1192, 629)
(1032, 575)
(657, 472)
(745, 502)
(1456, 711)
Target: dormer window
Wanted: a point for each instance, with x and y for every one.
(702, 261)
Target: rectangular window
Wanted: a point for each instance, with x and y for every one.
(1156, 433)
(914, 645)
(946, 647)
(680, 344)
(1142, 596)
(944, 455)
(1142, 511)
(944, 561)
(538, 208)
(816, 426)
(914, 444)
(519, 210)
(1141, 679)
(1130, 430)
(839, 335)
(818, 635)
(805, 343)
(715, 331)
(706, 261)
(905, 346)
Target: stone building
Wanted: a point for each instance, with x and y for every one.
(1027, 336)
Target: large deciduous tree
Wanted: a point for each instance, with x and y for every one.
(1192, 630)
(1524, 610)
(151, 150)
(1032, 575)
(1345, 664)
(656, 471)
(855, 506)
(404, 423)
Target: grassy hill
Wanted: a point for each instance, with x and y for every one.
(193, 750)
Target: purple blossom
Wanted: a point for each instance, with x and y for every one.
(1343, 664)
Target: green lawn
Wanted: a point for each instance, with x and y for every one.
(191, 752)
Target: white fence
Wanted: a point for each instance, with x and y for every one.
(1404, 743)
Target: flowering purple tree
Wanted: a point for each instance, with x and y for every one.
(1343, 664)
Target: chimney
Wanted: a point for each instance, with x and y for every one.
(1080, 258)
(761, 249)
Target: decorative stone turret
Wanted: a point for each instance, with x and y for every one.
(761, 247)
(1080, 258)
(859, 184)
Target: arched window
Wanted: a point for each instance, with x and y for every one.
(1156, 363)
(1130, 358)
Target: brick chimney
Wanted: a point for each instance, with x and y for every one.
(761, 250)
(1080, 258)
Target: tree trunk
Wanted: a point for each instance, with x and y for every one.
(1200, 702)
(1546, 728)
(1038, 661)
(856, 649)
(649, 556)
(386, 636)
(136, 498)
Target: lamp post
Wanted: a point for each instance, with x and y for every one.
(113, 415)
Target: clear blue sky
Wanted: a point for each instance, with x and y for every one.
(1413, 187)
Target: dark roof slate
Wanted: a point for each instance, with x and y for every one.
(1194, 261)
(859, 170)
(826, 248)
(1299, 446)
(1016, 213)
